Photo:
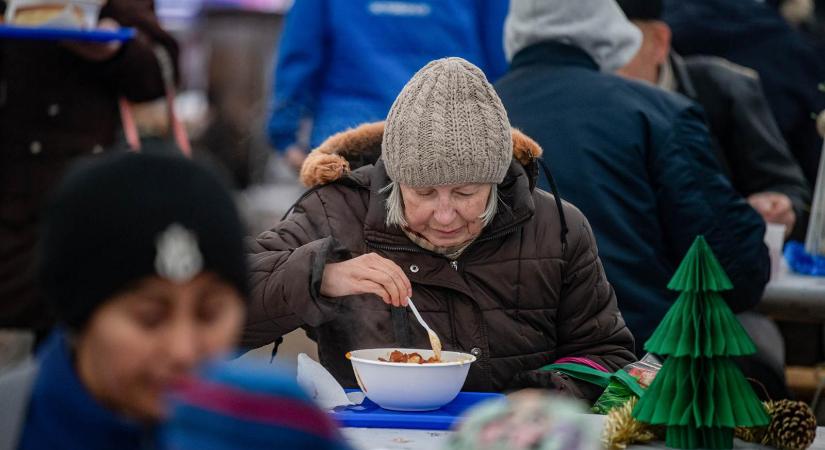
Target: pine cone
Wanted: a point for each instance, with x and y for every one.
(792, 427)
(622, 429)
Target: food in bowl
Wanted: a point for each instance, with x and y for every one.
(398, 356)
(401, 386)
(54, 13)
(40, 14)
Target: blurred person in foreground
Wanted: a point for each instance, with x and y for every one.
(744, 134)
(528, 419)
(637, 160)
(439, 204)
(342, 62)
(58, 102)
(142, 259)
(246, 405)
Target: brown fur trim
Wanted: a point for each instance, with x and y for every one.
(325, 164)
(328, 162)
(525, 149)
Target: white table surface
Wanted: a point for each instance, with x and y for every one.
(795, 297)
(396, 439)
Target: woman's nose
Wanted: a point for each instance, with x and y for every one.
(444, 214)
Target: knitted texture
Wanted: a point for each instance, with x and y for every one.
(447, 126)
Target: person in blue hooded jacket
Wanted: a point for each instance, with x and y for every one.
(341, 62)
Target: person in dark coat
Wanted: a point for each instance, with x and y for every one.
(59, 101)
(747, 143)
(637, 160)
(754, 34)
(439, 204)
(745, 135)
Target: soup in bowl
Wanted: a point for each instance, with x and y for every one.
(419, 384)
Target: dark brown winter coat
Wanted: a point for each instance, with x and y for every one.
(55, 107)
(514, 298)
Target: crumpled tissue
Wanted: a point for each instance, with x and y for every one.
(322, 387)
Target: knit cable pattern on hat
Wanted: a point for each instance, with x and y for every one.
(447, 126)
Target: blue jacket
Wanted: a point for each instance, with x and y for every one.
(638, 162)
(343, 62)
(62, 414)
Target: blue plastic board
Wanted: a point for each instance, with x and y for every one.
(370, 415)
(59, 34)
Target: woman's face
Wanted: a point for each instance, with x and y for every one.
(141, 341)
(446, 215)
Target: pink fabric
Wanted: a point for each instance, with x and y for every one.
(583, 361)
(260, 408)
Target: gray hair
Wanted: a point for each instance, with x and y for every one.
(395, 205)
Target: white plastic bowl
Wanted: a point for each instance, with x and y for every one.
(410, 387)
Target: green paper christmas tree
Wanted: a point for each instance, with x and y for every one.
(699, 394)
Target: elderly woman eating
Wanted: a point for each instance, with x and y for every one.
(439, 204)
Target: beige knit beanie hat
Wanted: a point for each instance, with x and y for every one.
(447, 126)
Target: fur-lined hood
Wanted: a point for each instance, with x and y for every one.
(360, 146)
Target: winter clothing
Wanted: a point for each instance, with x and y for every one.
(595, 26)
(517, 298)
(249, 406)
(463, 135)
(638, 162)
(744, 134)
(53, 409)
(755, 35)
(54, 107)
(342, 62)
(169, 216)
(642, 9)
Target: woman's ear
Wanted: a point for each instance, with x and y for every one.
(661, 35)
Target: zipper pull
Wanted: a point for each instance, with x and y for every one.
(454, 265)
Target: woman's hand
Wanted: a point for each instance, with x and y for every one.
(367, 274)
(96, 51)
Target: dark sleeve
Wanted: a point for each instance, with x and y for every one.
(134, 72)
(589, 324)
(694, 197)
(759, 157)
(286, 268)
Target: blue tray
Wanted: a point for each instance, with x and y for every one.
(59, 34)
(370, 415)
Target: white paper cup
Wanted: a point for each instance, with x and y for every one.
(775, 239)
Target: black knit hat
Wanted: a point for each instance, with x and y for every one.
(115, 220)
(641, 9)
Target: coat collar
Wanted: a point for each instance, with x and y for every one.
(63, 411)
(554, 54)
(684, 85)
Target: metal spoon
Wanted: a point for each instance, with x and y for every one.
(434, 341)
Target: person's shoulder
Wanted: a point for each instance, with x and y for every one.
(724, 76)
(547, 210)
(15, 389)
(649, 98)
